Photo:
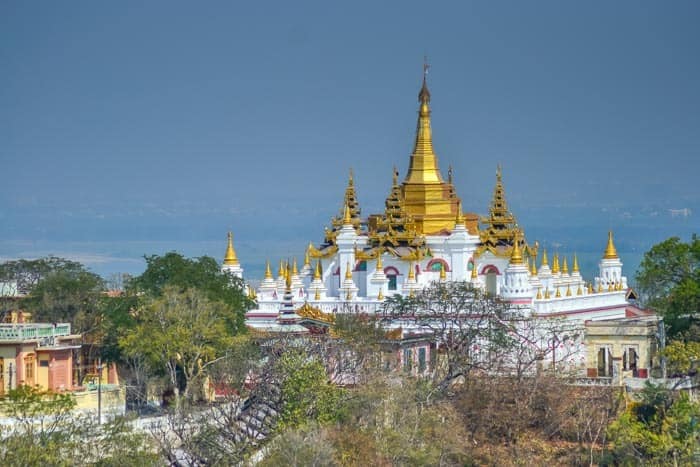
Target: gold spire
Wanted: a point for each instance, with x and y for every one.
(348, 272)
(558, 294)
(568, 290)
(280, 273)
(268, 272)
(610, 251)
(579, 291)
(547, 296)
(600, 287)
(317, 272)
(295, 271)
(443, 273)
(475, 274)
(307, 260)
(411, 272)
(347, 219)
(317, 295)
(565, 267)
(590, 288)
(534, 266)
(545, 261)
(380, 295)
(379, 261)
(230, 258)
(460, 216)
(575, 266)
(423, 167)
(288, 280)
(426, 197)
(516, 256)
(539, 293)
(555, 264)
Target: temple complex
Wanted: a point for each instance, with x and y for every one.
(424, 236)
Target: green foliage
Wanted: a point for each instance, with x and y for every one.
(657, 431)
(182, 332)
(117, 317)
(67, 296)
(307, 447)
(669, 282)
(46, 431)
(29, 272)
(203, 274)
(58, 290)
(681, 356)
(307, 394)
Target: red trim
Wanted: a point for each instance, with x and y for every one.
(588, 310)
(635, 312)
(489, 268)
(437, 260)
(391, 271)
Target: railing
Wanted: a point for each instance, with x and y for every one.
(586, 381)
(31, 331)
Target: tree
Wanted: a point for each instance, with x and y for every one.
(682, 357)
(56, 290)
(203, 274)
(669, 282)
(45, 430)
(29, 272)
(658, 430)
(182, 332)
(476, 332)
(308, 396)
(71, 295)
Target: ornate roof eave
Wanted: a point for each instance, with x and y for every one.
(324, 253)
(310, 312)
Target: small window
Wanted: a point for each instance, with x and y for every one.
(392, 281)
(44, 363)
(407, 360)
(436, 266)
(421, 359)
(29, 368)
(629, 359)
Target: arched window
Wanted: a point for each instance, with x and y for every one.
(391, 274)
(436, 264)
(491, 272)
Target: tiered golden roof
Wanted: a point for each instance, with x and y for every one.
(395, 228)
(499, 228)
(230, 257)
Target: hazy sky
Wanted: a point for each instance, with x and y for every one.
(142, 121)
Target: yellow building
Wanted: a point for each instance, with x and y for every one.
(622, 348)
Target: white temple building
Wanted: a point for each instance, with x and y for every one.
(423, 236)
